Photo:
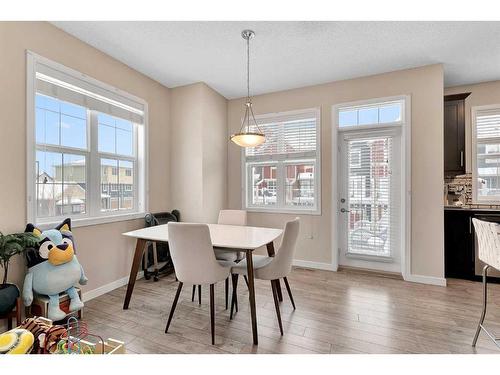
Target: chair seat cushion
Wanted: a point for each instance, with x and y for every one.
(221, 254)
(226, 263)
(259, 261)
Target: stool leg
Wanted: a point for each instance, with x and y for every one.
(199, 294)
(174, 304)
(194, 292)
(212, 313)
(226, 284)
(485, 301)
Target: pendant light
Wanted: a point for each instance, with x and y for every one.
(245, 137)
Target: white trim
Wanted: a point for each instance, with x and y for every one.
(88, 221)
(405, 175)
(97, 292)
(431, 280)
(140, 159)
(280, 162)
(314, 265)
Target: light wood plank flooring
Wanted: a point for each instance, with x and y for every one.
(337, 312)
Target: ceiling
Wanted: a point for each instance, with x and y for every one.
(287, 55)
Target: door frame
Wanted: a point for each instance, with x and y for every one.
(405, 179)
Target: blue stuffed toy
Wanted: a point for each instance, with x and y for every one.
(53, 268)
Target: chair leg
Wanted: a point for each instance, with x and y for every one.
(199, 294)
(246, 279)
(289, 292)
(172, 309)
(277, 304)
(234, 298)
(485, 300)
(227, 290)
(192, 294)
(212, 313)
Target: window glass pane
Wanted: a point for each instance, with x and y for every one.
(47, 127)
(109, 183)
(263, 182)
(115, 135)
(299, 191)
(368, 116)
(73, 110)
(126, 183)
(488, 171)
(60, 184)
(106, 138)
(124, 142)
(46, 102)
(348, 118)
(73, 132)
(390, 113)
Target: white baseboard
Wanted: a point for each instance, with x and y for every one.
(94, 293)
(431, 280)
(314, 265)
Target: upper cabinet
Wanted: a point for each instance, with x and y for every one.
(454, 134)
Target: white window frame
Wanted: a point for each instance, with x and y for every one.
(92, 156)
(281, 164)
(475, 198)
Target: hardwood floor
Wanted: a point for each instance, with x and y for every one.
(337, 312)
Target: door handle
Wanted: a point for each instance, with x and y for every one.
(343, 210)
(461, 158)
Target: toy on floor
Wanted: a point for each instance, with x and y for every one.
(16, 341)
(53, 268)
(46, 335)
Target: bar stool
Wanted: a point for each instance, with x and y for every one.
(489, 253)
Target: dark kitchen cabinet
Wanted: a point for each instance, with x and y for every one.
(454, 134)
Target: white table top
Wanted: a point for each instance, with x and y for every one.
(228, 236)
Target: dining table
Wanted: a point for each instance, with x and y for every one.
(229, 237)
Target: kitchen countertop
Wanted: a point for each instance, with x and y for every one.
(455, 208)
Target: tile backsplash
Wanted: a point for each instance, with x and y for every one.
(458, 192)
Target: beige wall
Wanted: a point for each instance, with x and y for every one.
(425, 85)
(481, 94)
(198, 152)
(104, 253)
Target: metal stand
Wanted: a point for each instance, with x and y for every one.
(480, 325)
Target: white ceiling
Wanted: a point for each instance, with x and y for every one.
(287, 55)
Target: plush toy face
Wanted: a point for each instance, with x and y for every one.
(55, 246)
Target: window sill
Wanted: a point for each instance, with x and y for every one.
(283, 211)
(368, 257)
(88, 221)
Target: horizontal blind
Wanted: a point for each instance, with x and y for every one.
(373, 196)
(287, 136)
(66, 87)
(488, 124)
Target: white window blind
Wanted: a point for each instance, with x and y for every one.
(373, 195)
(283, 174)
(487, 153)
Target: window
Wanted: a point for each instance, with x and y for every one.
(283, 174)
(371, 114)
(486, 154)
(86, 145)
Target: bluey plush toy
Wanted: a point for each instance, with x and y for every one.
(53, 268)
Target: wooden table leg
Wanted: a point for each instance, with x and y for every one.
(271, 253)
(251, 295)
(139, 249)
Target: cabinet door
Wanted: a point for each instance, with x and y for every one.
(454, 137)
(458, 247)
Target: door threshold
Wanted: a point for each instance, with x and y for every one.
(367, 271)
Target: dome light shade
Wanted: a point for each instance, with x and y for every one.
(248, 139)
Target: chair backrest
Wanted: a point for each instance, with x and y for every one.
(232, 217)
(488, 242)
(281, 265)
(193, 255)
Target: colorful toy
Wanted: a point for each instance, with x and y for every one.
(16, 341)
(53, 268)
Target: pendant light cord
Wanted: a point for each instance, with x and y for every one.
(248, 69)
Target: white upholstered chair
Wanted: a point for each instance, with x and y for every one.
(272, 268)
(488, 252)
(194, 262)
(227, 217)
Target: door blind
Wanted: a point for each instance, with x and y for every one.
(373, 196)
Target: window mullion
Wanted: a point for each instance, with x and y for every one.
(94, 170)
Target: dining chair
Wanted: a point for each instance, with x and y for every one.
(227, 217)
(488, 252)
(272, 268)
(194, 262)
